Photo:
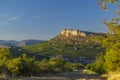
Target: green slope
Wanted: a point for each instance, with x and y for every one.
(72, 46)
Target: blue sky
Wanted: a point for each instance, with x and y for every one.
(44, 19)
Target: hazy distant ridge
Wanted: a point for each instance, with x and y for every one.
(19, 43)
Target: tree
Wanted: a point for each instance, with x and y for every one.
(22, 65)
(4, 55)
(111, 60)
(112, 42)
(14, 66)
(57, 64)
(4, 58)
(43, 66)
(98, 66)
(112, 45)
(103, 3)
(27, 67)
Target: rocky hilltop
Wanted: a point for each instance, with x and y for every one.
(70, 43)
(73, 36)
(73, 32)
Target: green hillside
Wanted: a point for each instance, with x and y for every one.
(73, 46)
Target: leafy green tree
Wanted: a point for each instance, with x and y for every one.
(27, 67)
(112, 42)
(22, 65)
(43, 66)
(98, 66)
(57, 65)
(113, 58)
(14, 66)
(4, 55)
(4, 58)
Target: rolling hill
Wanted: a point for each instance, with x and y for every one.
(19, 43)
(72, 46)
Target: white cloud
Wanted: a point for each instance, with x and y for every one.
(9, 16)
(12, 18)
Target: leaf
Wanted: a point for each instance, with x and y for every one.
(104, 7)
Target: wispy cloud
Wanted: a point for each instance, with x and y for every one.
(12, 18)
(9, 16)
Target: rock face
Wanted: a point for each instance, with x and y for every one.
(72, 32)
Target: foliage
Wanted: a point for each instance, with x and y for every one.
(103, 3)
(14, 65)
(68, 66)
(43, 66)
(112, 44)
(56, 65)
(98, 66)
(27, 66)
(110, 61)
(22, 65)
(4, 55)
(77, 66)
(4, 58)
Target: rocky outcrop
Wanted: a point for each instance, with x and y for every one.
(72, 32)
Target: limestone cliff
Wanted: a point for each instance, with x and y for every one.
(72, 32)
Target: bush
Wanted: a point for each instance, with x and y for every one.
(98, 66)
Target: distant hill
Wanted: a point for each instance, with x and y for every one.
(70, 43)
(8, 43)
(29, 42)
(19, 43)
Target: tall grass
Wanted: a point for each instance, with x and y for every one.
(114, 76)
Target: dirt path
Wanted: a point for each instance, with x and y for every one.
(76, 75)
(80, 75)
